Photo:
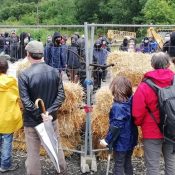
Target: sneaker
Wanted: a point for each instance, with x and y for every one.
(13, 167)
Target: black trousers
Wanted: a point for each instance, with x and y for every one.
(123, 163)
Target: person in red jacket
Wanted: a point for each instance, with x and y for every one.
(144, 97)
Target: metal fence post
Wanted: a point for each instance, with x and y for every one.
(88, 160)
(87, 87)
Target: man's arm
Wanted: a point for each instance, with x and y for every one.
(24, 94)
(59, 99)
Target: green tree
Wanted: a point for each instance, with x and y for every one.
(159, 12)
(87, 11)
(124, 11)
(16, 10)
(57, 12)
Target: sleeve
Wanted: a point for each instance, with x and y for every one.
(117, 119)
(24, 95)
(62, 58)
(47, 54)
(59, 98)
(138, 106)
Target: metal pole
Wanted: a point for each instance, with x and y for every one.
(131, 25)
(41, 26)
(90, 72)
(82, 26)
(92, 44)
(87, 88)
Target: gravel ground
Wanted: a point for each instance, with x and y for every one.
(73, 166)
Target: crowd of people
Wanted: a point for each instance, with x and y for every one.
(148, 45)
(14, 45)
(43, 80)
(59, 54)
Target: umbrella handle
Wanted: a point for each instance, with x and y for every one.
(40, 101)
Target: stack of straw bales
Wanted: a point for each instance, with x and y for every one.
(132, 65)
(71, 118)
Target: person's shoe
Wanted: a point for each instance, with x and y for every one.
(13, 167)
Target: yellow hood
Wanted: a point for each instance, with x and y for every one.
(6, 82)
(10, 113)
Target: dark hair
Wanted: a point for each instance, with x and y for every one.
(3, 65)
(121, 88)
(160, 60)
(36, 56)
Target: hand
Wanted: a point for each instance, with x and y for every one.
(46, 117)
(103, 143)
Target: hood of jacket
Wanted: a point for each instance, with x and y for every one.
(22, 36)
(55, 35)
(172, 39)
(10, 113)
(6, 82)
(162, 77)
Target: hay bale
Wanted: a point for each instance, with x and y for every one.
(70, 123)
(74, 97)
(103, 101)
(132, 65)
(71, 142)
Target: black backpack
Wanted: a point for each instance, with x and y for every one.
(166, 105)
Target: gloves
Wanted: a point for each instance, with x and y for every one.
(103, 143)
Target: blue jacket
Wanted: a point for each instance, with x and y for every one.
(120, 116)
(54, 57)
(73, 60)
(100, 56)
(54, 54)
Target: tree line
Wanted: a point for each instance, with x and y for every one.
(92, 11)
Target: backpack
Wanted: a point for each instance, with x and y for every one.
(166, 105)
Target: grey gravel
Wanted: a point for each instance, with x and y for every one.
(74, 166)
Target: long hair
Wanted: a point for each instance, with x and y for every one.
(121, 89)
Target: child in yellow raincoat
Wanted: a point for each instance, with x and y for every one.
(10, 116)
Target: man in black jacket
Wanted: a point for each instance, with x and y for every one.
(39, 81)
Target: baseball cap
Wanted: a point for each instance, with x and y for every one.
(35, 47)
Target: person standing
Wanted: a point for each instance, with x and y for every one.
(54, 54)
(39, 81)
(122, 133)
(146, 100)
(100, 58)
(10, 116)
(73, 59)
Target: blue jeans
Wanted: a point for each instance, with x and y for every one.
(5, 150)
